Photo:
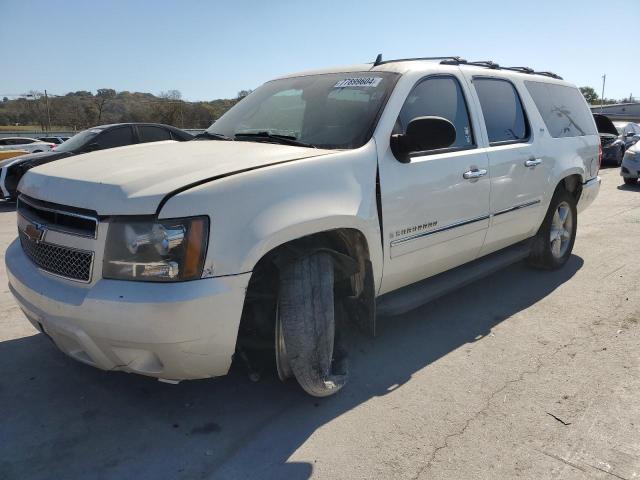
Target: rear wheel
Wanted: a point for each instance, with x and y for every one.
(554, 241)
(305, 332)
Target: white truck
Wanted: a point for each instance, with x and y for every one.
(318, 202)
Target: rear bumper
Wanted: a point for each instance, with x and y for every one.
(590, 190)
(173, 331)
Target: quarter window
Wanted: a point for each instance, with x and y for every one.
(438, 97)
(502, 110)
(563, 109)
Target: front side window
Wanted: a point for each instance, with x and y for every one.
(117, 137)
(502, 110)
(439, 96)
(563, 109)
(336, 110)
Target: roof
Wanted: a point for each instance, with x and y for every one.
(405, 65)
(124, 124)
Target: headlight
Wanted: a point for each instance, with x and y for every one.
(632, 156)
(156, 251)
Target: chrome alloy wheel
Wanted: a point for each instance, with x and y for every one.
(282, 360)
(561, 230)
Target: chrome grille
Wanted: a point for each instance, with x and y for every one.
(74, 221)
(62, 261)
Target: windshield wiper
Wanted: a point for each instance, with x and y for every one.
(283, 139)
(212, 136)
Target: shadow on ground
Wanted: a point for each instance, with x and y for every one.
(61, 419)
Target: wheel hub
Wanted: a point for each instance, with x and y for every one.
(282, 360)
(561, 230)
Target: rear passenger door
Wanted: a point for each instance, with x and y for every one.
(434, 216)
(518, 174)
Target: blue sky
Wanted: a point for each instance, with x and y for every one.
(214, 49)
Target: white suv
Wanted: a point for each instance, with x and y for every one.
(317, 199)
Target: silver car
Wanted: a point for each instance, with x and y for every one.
(630, 169)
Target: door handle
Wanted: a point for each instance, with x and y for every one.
(475, 173)
(532, 162)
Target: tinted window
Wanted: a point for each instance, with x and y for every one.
(438, 97)
(502, 110)
(153, 134)
(563, 109)
(117, 137)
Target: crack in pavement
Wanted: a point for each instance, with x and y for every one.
(445, 444)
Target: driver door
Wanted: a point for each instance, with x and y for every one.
(435, 214)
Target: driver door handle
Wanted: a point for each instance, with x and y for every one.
(532, 162)
(475, 173)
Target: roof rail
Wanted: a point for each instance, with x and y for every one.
(495, 66)
(379, 60)
(455, 60)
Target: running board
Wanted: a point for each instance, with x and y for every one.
(417, 294)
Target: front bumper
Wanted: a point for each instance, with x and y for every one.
(590, 190)
(611, 153)
(630, 169)
(174, 331)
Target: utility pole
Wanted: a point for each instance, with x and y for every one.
(604, 79)
(46, 101)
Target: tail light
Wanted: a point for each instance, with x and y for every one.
(52, 145)
(599, 157)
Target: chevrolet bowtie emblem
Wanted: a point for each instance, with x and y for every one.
(34, 231)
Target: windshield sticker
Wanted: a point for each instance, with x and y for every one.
(359, 82)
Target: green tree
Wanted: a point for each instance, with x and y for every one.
(589, 94)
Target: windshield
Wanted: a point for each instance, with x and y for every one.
(78, 141)
(337, 110)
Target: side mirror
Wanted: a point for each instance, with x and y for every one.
(92, 147)
(423, 133)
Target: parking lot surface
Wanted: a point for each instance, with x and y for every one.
(526, 374)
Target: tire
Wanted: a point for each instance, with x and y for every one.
(307, 322)
(630, 181)
(546, 253)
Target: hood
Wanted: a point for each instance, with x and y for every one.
(605, 125)
(34, 158)
(133, 180)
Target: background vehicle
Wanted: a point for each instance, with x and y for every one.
(56, 140)
(6, 154)
(630, 170)
(629, 132)
(97, 138)
(317, 200)
(31, 145)
(613, 147)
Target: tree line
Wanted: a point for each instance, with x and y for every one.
(83, 109)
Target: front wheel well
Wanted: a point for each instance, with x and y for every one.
(257, 324)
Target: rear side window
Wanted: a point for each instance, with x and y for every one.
(563, 109)
(117, 137)
(438, 97)
(153, 134)
(502, 111)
